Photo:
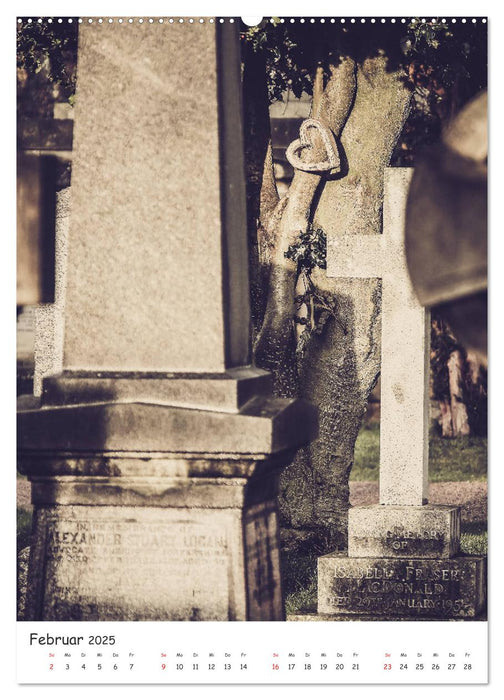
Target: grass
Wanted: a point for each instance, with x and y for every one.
(474, 539)
(24, 526)
(367, 455)
(299, 576)
(459, 459)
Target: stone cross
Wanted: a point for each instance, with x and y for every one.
(405, 346)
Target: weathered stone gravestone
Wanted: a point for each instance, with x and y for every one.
(152, 458)
(403, 555)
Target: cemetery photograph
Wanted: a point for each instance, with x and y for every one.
(251, 319)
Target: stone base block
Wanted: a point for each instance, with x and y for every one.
(196, 549)
(392, 589)
(264, 426)
(319, 617)
(227, 391)
(404, 531)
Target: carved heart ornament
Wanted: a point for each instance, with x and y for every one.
(305, 142)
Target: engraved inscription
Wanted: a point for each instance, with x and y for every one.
(426, 532)
(401, 540)
(169, 568)
(411, 573)
(417, 586)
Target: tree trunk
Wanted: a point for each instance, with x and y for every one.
(342, 364)
(275, 347)
(445, 419)
(459, 421)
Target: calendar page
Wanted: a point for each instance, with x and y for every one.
(252, 349)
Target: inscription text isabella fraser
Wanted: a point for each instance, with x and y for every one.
(411, 573)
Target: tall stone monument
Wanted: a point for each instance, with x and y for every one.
(403, 555)
(153, 456)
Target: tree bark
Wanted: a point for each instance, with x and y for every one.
(342, 364)
(275, 347)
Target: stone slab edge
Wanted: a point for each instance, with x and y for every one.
(228, 391)
(264, 426)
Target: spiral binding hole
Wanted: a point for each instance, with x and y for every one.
(256, 22)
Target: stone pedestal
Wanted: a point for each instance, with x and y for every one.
(153, 512)
(144, 538)
(154, 456)
(402, 563)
